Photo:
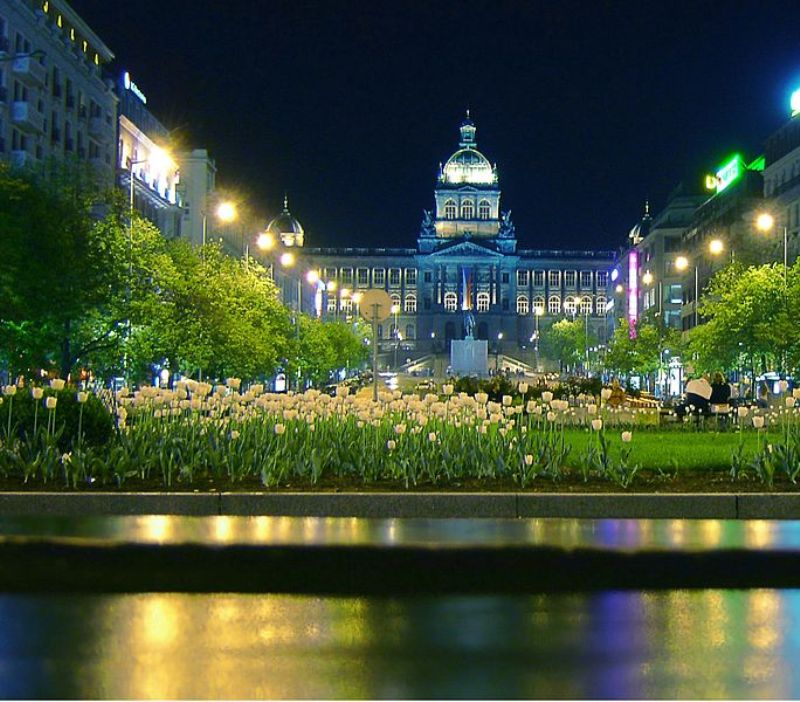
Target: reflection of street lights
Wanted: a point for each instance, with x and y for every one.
(765, 222)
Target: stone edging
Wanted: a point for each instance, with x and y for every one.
(409, 505)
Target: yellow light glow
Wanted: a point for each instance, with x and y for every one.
(619, 289)
(226, 211)
(312, 277)
(395, 309)
(345, 292)
(647, 278)
(287, 259)
(160, 160)
(716, 246)
(681, 263)
(711, 182)
(331, 286)
(538, 311)
(265, 241)
(765, 222)
(357, 297)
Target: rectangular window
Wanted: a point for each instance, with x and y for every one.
(330, 274)
(394, 277)
(554, 279)
(522, 279)
(411, 276)
(602, 279)
(347, 276)
(538, 279)
(505, 304)
(428, 277)
(504, 277)
(363, 277)
(586, 280)
(379, 277)
(569, 279)
(427, 303)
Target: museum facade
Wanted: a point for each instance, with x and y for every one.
(466, 272)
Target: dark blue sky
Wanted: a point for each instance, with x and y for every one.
(587, 107)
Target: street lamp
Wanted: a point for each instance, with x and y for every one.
(765, 223)
(395, 310)
(497, 352)
(225, 212)
(715, 248)
(538, 311)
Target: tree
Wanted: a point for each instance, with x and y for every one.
(640, 353)
(567, 341)
(749, 320)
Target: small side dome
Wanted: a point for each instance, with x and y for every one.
(286, 227)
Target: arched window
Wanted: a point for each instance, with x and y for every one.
(411, 332)
(586, 305)
(484, 209)
(522, 304)
(554, 304)
(450, 302)
(538, 304)
(570, 305)
(600, 305)
(411, 303)
(482, 302)
(450, 209)
(467, 209)
(396, 301)
(347, 305)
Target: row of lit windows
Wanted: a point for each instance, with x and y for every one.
(409, 304)
(69, 31)
(554, 278)
(379, 276)
(572, 305)
(467, 209)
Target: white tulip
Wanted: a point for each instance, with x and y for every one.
(597, 424)
(37, 393)
(758, 422)
(742, 412)
(791, 401)
(57, 384)
(528, 459)
(280, 429)
(547, 396)
(51, 402)
(523, 388)
(627, 437)
(81, 397)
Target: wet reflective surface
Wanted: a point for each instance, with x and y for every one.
(672, 534)
(699, 644)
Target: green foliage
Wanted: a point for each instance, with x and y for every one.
(750, 320)
(567, 341)
(641, 353)
(29, 417)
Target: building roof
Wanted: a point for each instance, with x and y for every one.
(285, 222)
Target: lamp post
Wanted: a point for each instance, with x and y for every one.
(395, 310)
(537, 312)
(715, 248)
(765, 223)
(497, 352)
(330, 287)
(225, 212)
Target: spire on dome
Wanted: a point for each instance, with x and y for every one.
(285, 201)
(467, 130)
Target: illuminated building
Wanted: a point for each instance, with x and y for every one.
(782, 182)
(466, 266)
(143, 150)
(55, 102)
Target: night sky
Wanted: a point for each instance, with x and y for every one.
(587, 107)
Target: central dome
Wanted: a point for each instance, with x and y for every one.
(468, 166)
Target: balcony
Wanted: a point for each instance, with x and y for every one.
(28, 70)
(24, 116)
(20, 158)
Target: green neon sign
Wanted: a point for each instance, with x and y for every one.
(730, 172)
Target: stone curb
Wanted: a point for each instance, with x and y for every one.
(409, 505)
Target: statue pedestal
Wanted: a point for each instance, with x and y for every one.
(469, 357)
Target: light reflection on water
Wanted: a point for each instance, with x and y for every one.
(680, 644)
(683, 534)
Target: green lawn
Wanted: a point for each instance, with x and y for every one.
(668, 450)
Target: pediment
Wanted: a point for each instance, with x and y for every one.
(466, 248)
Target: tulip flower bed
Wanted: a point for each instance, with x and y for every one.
(198, 435)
